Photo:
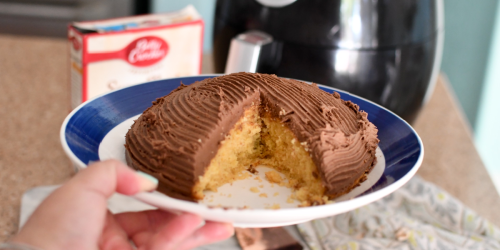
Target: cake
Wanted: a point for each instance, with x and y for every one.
(206, 134)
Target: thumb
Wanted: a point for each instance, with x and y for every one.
(75, 213)
(110, 176)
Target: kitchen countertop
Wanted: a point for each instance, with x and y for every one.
(34, 100)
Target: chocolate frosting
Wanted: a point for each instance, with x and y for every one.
(176, 138)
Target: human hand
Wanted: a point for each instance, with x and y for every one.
(75, 216)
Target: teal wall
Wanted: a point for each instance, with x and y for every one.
(471, 59)
(468, 33)
(488, 120)
(206, 8)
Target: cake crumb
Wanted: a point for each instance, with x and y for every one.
(282, 112)
(254, 190)
(243, 176)
(305, 204)
(304, 144)
(229, 195)
(289, 200)
(274, 177)
(261, 186)
(275, 206)
(263, 195)
(325, 199)
(276, 194)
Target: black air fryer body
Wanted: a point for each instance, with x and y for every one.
(383, 50)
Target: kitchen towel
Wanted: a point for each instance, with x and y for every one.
(419, 215)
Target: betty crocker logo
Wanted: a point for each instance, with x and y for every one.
(146, 51)
(141, 52)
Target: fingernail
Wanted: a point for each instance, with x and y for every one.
(202, 223)
(146, 181)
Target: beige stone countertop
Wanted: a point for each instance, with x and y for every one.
(34, 100)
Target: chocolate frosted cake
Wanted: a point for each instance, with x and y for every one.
(204, 135)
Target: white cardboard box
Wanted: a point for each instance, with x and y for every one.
(116, 53)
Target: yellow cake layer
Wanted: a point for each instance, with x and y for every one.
(282, 151)
(239, 150)
(256, 140)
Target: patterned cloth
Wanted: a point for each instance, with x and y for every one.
(417, 216)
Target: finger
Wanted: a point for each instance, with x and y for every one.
(142, 238)
(136, 222)
(211, 232)
(175, 232)
(80, 206)
(113, 237)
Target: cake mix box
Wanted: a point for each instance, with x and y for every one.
(116, 53)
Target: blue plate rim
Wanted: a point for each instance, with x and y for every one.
(147, 196)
